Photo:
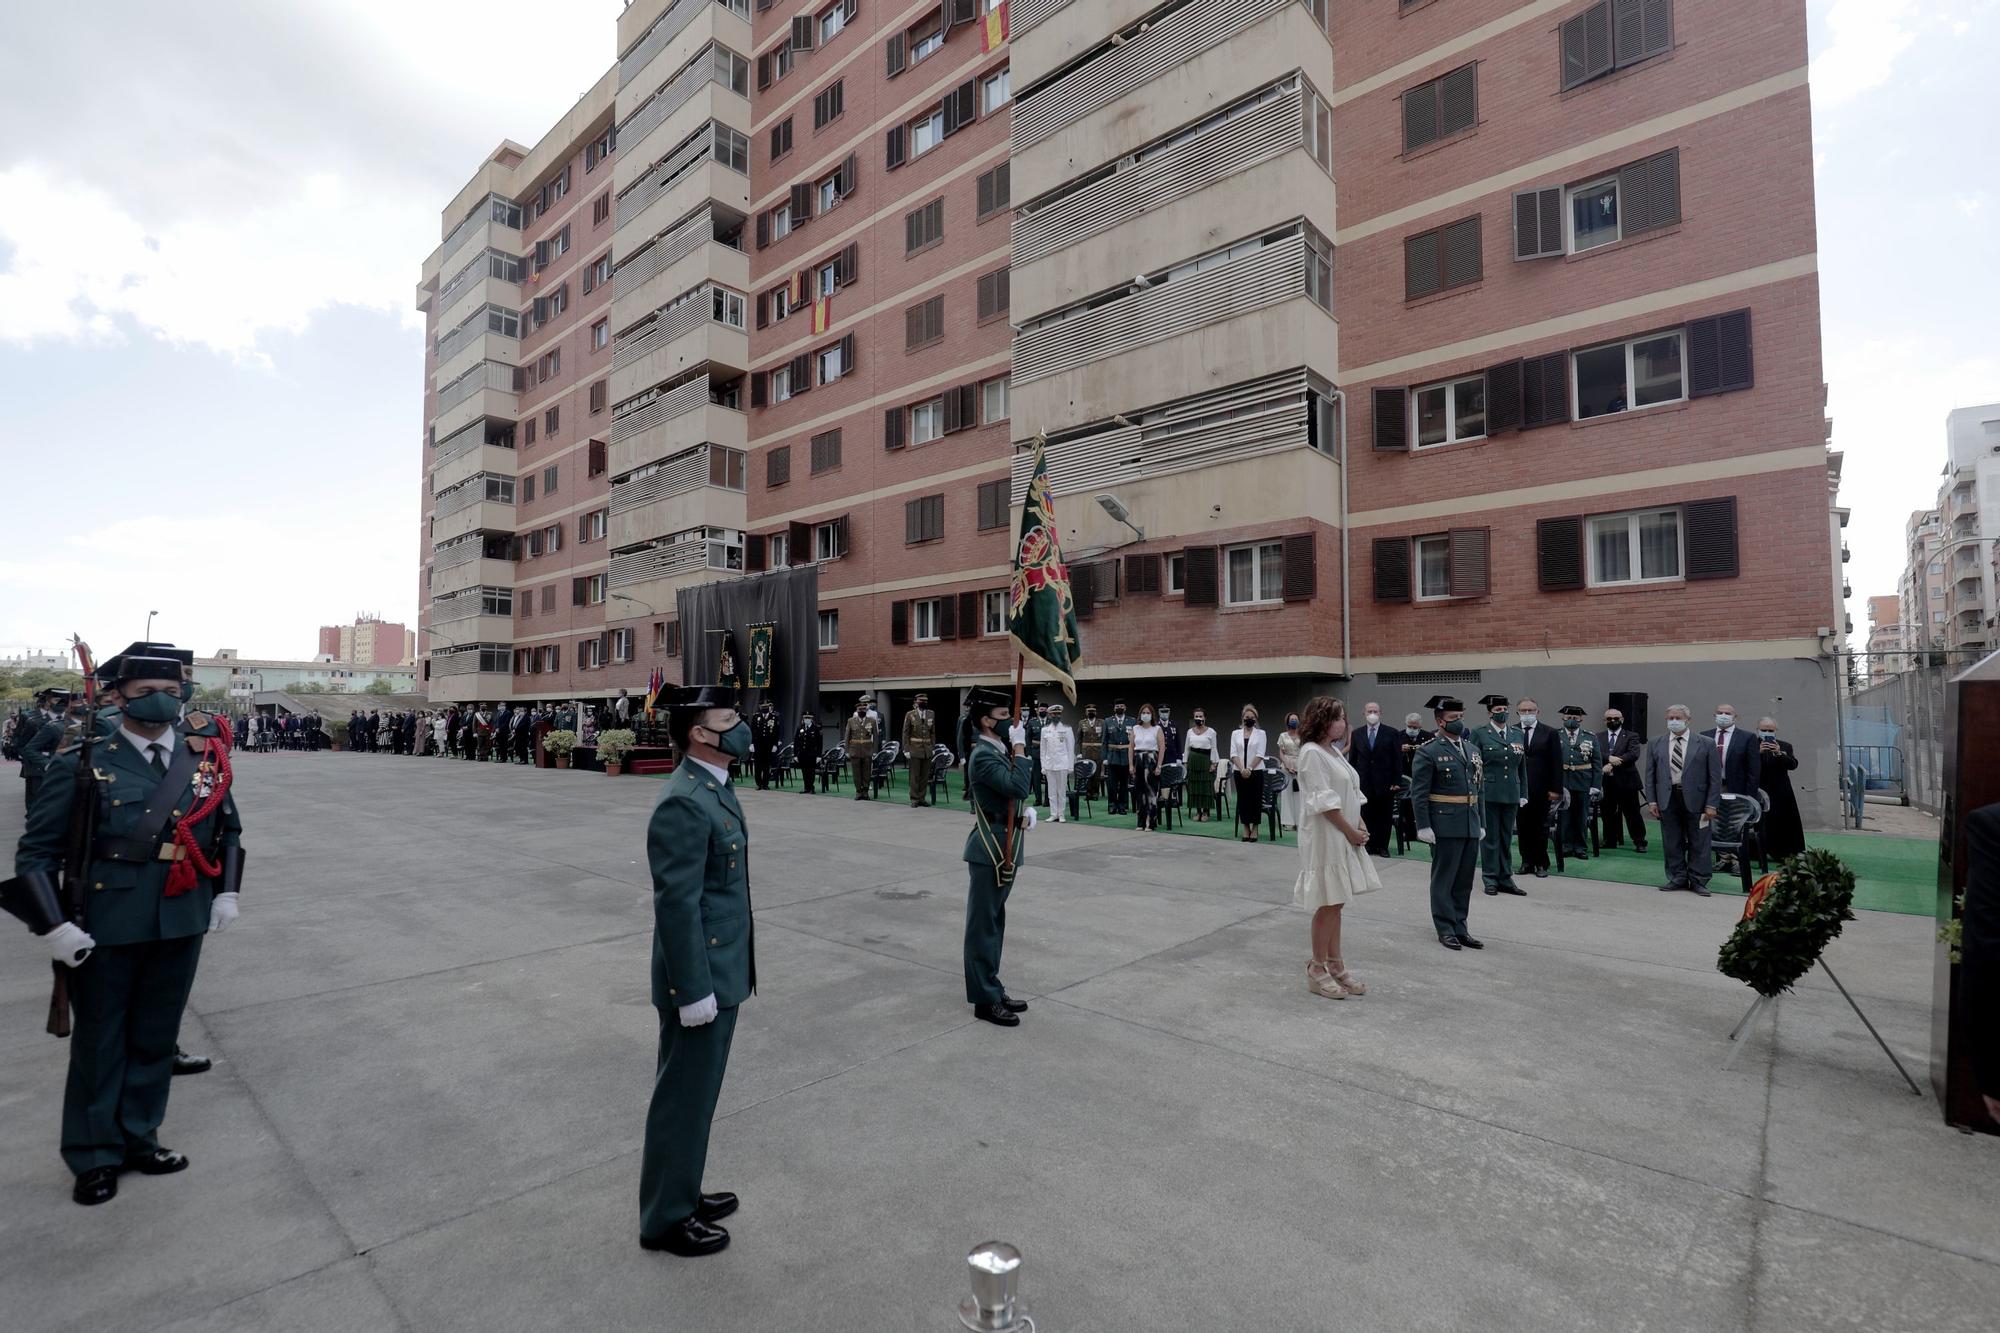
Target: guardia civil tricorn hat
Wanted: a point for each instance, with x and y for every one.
(983, 699)
(138, 666)
(703, 696)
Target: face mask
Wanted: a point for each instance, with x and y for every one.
(1200, 721)
(1499, 716)
(1411, 732)
(1572, 722)
(1374, 718)
(735, 742)
(1613, 723)
(1145, 717)
(1725, 720)
(1291, 724)
(1677, 725)
(1455, 727)
(1531, 718)
(1767, 735)
(158, 707)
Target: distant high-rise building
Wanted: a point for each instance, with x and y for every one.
(369, 641)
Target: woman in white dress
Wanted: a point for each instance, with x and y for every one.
(1334, 864)
(1288, 760)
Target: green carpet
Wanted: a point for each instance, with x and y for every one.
(1891, 874)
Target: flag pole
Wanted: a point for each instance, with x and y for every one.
(1013, 809)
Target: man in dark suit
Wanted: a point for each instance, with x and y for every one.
(1623, 751)
(1413, 737)
(1541, 785)
(1683, 783)
(1741, 766)
(1378, 758)
(1979, 969)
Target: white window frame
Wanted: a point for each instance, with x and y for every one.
(781, 384)
(594, 525)
(1176, 575)
(600, 335)
(926, 132)
(1451, 435)
(593, 591)
(993, 612)
(1679, 335)
(725, 548)
(927, 421)
(922, 48)
(1258, 555)
(829, 629)
(826, 542)
(726, 307)
(924, 616)
(781, 303)
(827, 357)
(828, 192)
(1569, 214)
(1417, 545)
(990, 390)
(1001, 81)
(777, 547)
(1630, 518)
(781, 221)
(621, 645)
(829, 278)
(832, 22)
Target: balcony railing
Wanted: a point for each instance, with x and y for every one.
(664, 29)
(488, 264)
(713, 61)
(660, 561)
(646, 413)
(681, 316)
(486, 375)
(661, 253)
(699, 148)
(493, 208)
(1025, 14)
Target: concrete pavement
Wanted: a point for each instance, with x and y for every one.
(434, 1046)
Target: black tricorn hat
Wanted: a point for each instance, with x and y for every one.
(983, 699)
(1571, 710)
(1445, 703)
(185, 656)
(703, 696)
(141, 666)
(1494, 701)
(52, 692)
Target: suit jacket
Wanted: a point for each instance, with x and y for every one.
(1631, 751)
(1979, 973)
(1701, 774)
(1442, 768)
(699, 852)
(1380, 766)
(1741, 766)
(1541, 761)
(998, 779)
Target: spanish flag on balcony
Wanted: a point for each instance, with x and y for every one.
(800, 286)
(822, 314)
(993, 28)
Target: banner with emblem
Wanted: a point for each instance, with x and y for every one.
(1041, 611)
(993, 27)
(725, 657)
(763, 641)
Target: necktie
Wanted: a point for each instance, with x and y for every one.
(1674, 766)
(157, 753)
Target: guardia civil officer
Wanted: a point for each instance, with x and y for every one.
(919, 740)
(704, 966)
(164, 867)
(1582, 778)
(1445, 799)
(1499, 747)
(1117, 759)
(806, 746)
(765, 730)
(998, 775)
(30, 742)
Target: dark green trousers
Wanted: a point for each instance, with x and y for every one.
(1496, 849)
(920, 779)
(1453, 861)
(128, 1000)
(985, 932)
(685, 1088)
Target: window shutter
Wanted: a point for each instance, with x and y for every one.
(913, 326)
(972, 623)
(952, 420)
(968, 405)
(763, 230)
(1083, 590)
(1711, 538)
(576, 591)
(798, 543)
(912, 522)
(1200, 583)
(755, 552)
(1420, 265)
(802, 202)
(1545, 390)
(840, 535)
(1392, 569)
(802, 374)
(947, 618)
(1559, 554)
(899, 621)
(1538, 232)
(961, 107)
(1142, 574)
(763, 309)
(1392, 419)
(847, 355)
(1649, 193)
(985, 194)
(802, 32)
(848, 267)
(758, 381)
(895, 155)
(1420, 116)
(1461, 252)
(1719, 354)
(1503, 397)
(892, 428)
(1301, 568)
(1640, 28)
(913, 231)
(1458, 100)
(964, 11)
(1586, 45)
(850, 175)
(1469, 561)
(895, 53)
(673, 638)
(763, 71)
(778, 466)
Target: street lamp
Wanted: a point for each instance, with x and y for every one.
(1111, 505)
(149, 627)
(621, 597)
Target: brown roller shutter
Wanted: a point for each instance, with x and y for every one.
(1301, 568)
(1458, 100)
(1461, 246)
(1559, 554)
(850, 174)
(1420, 116)
(1201, 581)
(1083, 590)
(1392, 419)
(1420, 264)
(972, 623)
(1710, 534)
(802, 202)
(799, 544)
(1640, 28)
(1503, 397)
(1392, 569)
(754, 553)
(847, 366)
(1718, 354)
(899, 622)
(802, 374)
(1545, 390)
(1469, 562)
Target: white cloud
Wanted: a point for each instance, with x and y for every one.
(1867, 36)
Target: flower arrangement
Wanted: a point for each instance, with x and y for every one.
(613, 745)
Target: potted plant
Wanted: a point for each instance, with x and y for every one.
(559, 744)
(612, 747)
(336, 732)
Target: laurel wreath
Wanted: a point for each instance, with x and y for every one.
(1801, 914)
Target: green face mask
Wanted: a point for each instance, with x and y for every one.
(156, 708)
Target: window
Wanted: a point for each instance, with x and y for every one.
(496, 601)
(774, 65)
(1319, 131)
(587, 591)
(925, 626)
(923, 519)
(600, 209)
(781, 221)
(925, 39)
(927, 421)
(923, 227)
(732, 149)
(993, 611)
(781, 138)
(1642, 547)
(780, 302)
(589, 654)
(1319, 269)
(1937, 566)
(1450, 412)
(993, 497)
(829, 629)
(1593, 215)
(993, 400)
(1440, 108)
(1433, 567)
(1177, 572)
(597, 397)
(834, 21)
(659, 636)
(550, 475)
(726, 307)
(1612, 34)
(599, 149)
(727, 467)
(548, 598)
(995, 190)
(597, 274)
(778, 547)
(621, 645)
(829, 103)
(1440, 259)
(590, 526)
(833, 362)
(994, 294)
(559, 243)
(826, 541)
(528, 482)
(1640, 372)
(829, 193)
(551, 421)
(995, 91)
(825, 451)
(1256, 574)
(781, 384)
(1639, 197)
(551, 364)
(927, 131)
(923, 323)
(827, 278)
(777, 468)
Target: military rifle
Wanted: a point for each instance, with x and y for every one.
(82, 834)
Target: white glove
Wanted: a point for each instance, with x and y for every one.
(1596, 791)
(1427, 837)
(1480, 832)
(69, 945)
(700, 1012)
(1524, 803)
(222, 911)
(1027, 816)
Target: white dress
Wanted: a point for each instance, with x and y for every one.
(1332, 870)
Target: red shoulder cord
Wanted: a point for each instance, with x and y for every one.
(181, 875)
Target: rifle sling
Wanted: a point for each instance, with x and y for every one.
(143, 842)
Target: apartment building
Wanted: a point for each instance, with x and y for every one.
(1885, 637)
(370, 640)
(1920, 589)
(1969, 532)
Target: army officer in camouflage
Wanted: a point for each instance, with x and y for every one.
(998, 776)
(1445, 798)
(704, 966)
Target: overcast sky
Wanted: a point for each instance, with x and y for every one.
(212, 217)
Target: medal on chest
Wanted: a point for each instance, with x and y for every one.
(204, 780)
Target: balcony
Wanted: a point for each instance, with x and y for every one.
(487, 390)
(690, 490)
(677, 339)
(471, 573)
(636, 62)
(667, 422)
(462, 466)
(476, 515)
(493, 278)
(650, 276)
(705, 77)
(494, 221)
(671, 188)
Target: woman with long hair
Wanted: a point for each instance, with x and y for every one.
(1147, 742)
(1334, 865)
(1246, 762)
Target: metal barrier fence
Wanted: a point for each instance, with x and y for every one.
(1894, 734)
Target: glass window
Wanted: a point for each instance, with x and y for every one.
(1256, 574)
(1433, 567)
(1640, 373)
(1177, 572)
(781, 221)
(993, 400)
(600, 335)
(926, 132)
(927, 421)
(832, 364)
(925, 626)
(829, 278)
(829, 629)
(781, 303)
(779, 547)
(829, 194)
(832, 22)
(826, 542)
(781, 384)
(926, 38)
(996, 92)
(727, 307)
(994, 606)
(1593, 215)
(1640, 547)
(1450, 412)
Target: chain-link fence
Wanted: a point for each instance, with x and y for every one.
(1894, 736)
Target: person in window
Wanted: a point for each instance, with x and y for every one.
(1200, 750)
(1784, 832)
(1288, 760)
(1246, 764)
(1333, 867)
(1146, 747)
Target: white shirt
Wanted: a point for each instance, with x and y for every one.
(721, 774)
(1200, 740)
(1254, 756)
(142, 747)
(1146, 736)
(1058, 746)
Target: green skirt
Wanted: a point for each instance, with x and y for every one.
(1201, 780)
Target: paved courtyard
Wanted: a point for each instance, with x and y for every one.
(434, 1047)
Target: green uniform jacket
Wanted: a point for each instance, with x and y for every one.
(1583, 760)
(40, 747)
(699, 852)
(1440, 770)
(859, 737)
(1090, 741)
(126, 901)
(997, 777)
(1117, 744)
(1033, 726)
(1500, 761)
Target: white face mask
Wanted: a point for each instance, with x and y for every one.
(1725, 720)
(1677, 725)
(1529, 719)
(1145, 717)
(1373, 718)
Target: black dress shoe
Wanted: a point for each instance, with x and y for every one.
(1012, 1005)
(715, 1207)
(1514, 889)
(997, 1014)
(95, 1186)
(1470, 943)
(191, 1064)
(1492, 890)
(1541, 872)
(1672, 888)
(156, 1162)
(1701, 891)
(1450, 942)
(690, 1238)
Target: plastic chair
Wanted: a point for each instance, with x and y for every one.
(1080, 779)
(941, 761)
(833, 767)
(1734, 833)
(1172, 780)
(1276, 780)
(783, 761)
(1556, 809)
(884, 767)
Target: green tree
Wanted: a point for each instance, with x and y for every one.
(379, 685)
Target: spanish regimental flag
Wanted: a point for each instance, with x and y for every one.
(1041, 613)
(992, 32)
(822, 314)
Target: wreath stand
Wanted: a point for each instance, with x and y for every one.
(1741, 1034)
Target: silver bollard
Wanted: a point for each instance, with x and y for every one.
(993, 1306)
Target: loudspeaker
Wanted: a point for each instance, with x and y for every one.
(1633, 705)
